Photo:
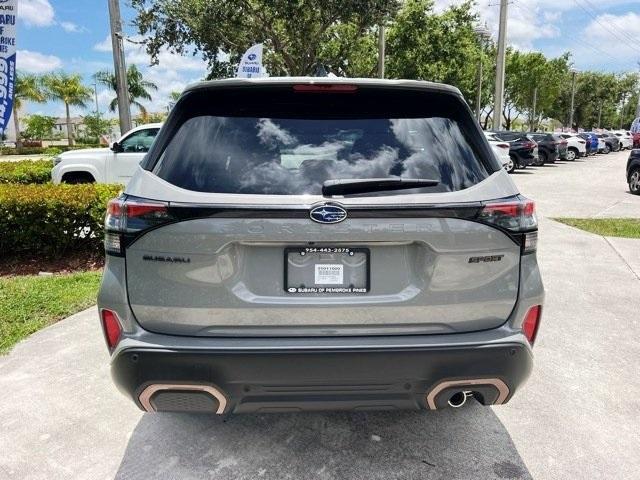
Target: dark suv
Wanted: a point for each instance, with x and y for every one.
(523, 151)
(548, 146)
(611, 142)
(302, 244)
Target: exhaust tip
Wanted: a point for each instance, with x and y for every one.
(493, 389)
(183, 397)
(458, 399)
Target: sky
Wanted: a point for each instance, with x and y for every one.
(72, 35)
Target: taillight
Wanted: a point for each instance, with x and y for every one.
(516, 216)
(131, 216)
(530, 145)
(531, 323)
(111, 327)
(504, 146)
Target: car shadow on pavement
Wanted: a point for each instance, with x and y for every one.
(469, 442)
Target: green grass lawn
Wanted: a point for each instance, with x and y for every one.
(29, 303)
(608, 227)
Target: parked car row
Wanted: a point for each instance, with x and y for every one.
(538, 148)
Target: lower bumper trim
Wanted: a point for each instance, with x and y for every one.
(240, 381)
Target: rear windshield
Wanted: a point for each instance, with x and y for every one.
(294, 154)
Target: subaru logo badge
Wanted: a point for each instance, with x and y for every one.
(328, 214)
(252, 56)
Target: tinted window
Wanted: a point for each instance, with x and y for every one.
(140, 141)
(510, 136)
(294, 156)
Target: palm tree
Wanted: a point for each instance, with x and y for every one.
(173, 99)
(28, 89)
(137, 86)
(68, 89)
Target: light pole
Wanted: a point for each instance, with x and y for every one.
(624, 108)
(381, 48)
(95, 93)
(533, 115)
(574, 72)
(500, 61)
(124, 111)
(599, 114)
(638, 106)
(484, 35)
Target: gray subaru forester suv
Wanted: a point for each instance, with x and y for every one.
(305, 244)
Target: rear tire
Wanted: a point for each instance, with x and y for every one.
(511, 166)
(607, 148)
(571, 154)
(634, 181)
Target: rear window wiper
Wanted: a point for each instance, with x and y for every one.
(366, 185)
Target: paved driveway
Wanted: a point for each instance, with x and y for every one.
(60, 416)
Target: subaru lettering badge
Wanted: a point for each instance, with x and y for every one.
(328, 214)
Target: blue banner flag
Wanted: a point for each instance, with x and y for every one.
(8, 14)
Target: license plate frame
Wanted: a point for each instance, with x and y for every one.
(327, 289)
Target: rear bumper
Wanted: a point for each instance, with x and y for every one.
(281, 376)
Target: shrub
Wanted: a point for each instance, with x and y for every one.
(22, 151)
(26, 171)
(44, 151)
(52, 151)
(52, 219)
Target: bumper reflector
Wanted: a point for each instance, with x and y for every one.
(111, 327)
(531, 323)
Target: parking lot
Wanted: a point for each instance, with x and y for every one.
(577, 417)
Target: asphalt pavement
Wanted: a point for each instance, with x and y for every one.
(61, 417)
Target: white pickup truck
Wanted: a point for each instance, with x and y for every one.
(106, 165)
